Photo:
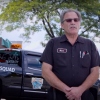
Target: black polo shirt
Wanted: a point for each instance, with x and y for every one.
(71, 63)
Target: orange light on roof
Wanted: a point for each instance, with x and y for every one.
(16, 46)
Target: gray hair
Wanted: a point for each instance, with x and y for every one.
(69, 10)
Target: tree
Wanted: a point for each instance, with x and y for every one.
(44, 14)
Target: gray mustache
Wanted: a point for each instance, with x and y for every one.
(72, 26)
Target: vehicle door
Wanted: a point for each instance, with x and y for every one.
(11, 71)
(33, 83)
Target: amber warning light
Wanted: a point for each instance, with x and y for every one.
(16, 46)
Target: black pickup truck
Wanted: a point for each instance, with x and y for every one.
(20, 76)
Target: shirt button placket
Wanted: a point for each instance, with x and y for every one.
(72, 56)
(73, 60)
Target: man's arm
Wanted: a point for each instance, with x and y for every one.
(91, 79)
(52, 79)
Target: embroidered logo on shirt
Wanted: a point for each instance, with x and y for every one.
(61, 50)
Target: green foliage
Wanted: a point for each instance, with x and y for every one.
(36, 15)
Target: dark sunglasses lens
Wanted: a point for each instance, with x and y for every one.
(76, 20)
(68, 20)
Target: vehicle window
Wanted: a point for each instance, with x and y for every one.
(10, 57)
(33, 61)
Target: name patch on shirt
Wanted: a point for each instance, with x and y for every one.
(61, 50)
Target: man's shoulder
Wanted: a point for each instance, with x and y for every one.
(56, 38)
(85, 39)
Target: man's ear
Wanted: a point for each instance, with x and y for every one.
(62, 25)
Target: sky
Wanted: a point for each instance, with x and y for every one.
(33, 45)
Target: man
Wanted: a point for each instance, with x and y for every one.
(70, 63)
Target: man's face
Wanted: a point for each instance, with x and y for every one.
(71, 26)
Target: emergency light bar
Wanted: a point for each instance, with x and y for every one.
(16, 46)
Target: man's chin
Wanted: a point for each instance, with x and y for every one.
(73, 33)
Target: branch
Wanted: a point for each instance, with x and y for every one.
(58, 12)
(50, 27)
(47, 29)
(88, 28)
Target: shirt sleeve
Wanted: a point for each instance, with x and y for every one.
(47, 55)
(95, 58)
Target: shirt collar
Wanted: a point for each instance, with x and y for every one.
(64, 38)
(80, 39)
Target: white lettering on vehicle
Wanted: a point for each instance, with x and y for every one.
(5, 69)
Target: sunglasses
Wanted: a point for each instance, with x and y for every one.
(70, 20)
